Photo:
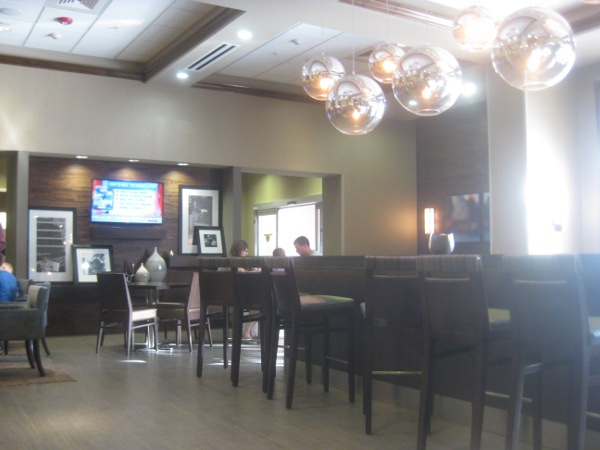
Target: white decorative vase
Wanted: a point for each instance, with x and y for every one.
(157, 267)
(142, 274)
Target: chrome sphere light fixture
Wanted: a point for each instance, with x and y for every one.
(534, 49)
(355, 104)
(320, 74)
(383, 61)
(475, 29)
(428, 81)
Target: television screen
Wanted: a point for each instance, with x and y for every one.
(120, 201)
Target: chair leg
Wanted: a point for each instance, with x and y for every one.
(308, 355)
(514, 404)
(325, 367)
(37, 357)
(45, 343)
(350, 358)
(425, 401)
(236, 345)
(272, 369)
(189, 334)
(368, 387)
(201, 332)
(29, 350)
(100, 338)
(536, 411)
(578, 403)
(128, 340)
(6, 347)
(478, 402)
(209, 331)
(291, 373)
(155, 328)
(225, 337)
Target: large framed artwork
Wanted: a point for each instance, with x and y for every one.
(90, 260)
(51, 232)
(197, 207)
(210, 241)
(468, 217)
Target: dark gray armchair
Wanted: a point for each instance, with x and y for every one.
(25, 322)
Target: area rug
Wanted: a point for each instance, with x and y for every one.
(15, 371)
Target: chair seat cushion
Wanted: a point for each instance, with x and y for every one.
(594, 324)
(324, 302)
(499, 320)
(143, 314)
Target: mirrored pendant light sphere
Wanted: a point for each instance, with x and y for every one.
(383, 61)
(428, 81)
(475, 29)
(355, 104)
(534, 49)
(320, 74)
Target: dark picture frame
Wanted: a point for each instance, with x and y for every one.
(51, 232)
(90, 260)
(198, 206)
(211, 241)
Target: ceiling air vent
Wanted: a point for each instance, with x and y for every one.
(89, 6)
(212, 56)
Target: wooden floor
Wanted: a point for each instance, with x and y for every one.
(153, 400)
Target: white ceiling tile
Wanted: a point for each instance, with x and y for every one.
(27, 12)
(40, 38)
(107, 47)
(177, 18)
(81, 22)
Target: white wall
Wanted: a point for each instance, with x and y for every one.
(52, 112)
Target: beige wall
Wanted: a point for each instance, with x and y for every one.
(59, 113)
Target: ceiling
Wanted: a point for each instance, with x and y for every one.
(151, 40)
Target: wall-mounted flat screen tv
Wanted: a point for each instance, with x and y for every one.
(127, 202)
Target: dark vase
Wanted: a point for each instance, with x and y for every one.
(441, 244)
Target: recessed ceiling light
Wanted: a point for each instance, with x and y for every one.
(244, 35)
(81, 157)
(183, 164)
(134, 160)
(10, 12)
(5, 26)
(182, 75)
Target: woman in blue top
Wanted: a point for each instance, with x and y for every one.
(9, 286)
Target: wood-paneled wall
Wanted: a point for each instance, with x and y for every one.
(452, 159)
(66, 183)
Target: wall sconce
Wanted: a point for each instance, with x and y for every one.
(429, 221)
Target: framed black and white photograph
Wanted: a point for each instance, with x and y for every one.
(210, 241)
(51, 232)
(197, 207)
(90, 260)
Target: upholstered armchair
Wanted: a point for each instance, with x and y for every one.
(26, 323)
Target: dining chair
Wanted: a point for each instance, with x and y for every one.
(26, 322)
(393, 324)
(253, 303)
(183, 313)
(117, 311)
(217, 293)
(456, 322)
(551, 328)
(300, 314)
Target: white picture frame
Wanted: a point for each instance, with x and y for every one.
(198, 206)
(89, 260)
(51, 234)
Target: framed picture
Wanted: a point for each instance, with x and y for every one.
(51, 232)
(89, 260)
(210, 241)
(197, 207)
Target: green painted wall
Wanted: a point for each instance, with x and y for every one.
(258, 189)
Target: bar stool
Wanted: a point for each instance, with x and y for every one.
(455, 321)
(253, 303)
(393, 323)
(307, 314)
(550, 327)
(216, 290)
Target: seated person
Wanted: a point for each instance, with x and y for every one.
(10, 290)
